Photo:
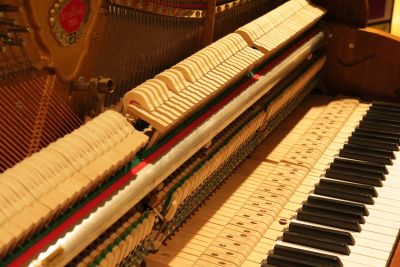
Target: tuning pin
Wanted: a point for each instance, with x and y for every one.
(4, 35)
(9, 8)
(17, 29)
(17, 42)
(7, 21)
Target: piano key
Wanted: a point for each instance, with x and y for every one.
(316, 242)
(351, 176)
(392, 182)
(337, 209)
(376, 114)
(349, 187)
(389, 118)
(379, 126)
(386, 139)
(385, 104)
(364, 238)
(307, 255)
(384, 109)
(382, 130)
(352, 260)
(373, 167)
(328, 220)
(373, 221)
(384, 156)
(360, 166)
(365, 156)
(377, 133)
(337, 193)
(313, 230)
(335, 213)
(287, 261)
(338, 204)
(382, 121)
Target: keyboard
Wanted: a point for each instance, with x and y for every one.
(352, 217)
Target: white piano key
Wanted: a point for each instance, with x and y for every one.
(353, 260)
(391, 216)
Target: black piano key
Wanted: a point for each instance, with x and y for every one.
(378, 133)
(351, 176)
(316, 257)
(386, 104)
(287, 261)
(342, 215)
(383, 114)
(358, 171)
(349, 187)
(365, 156)
(378, 126)
(373, 143)
(385, 109)
(381, 119)
(375, 151)
(337, 209)
(338, 204)
(392, 141)
(312, 230)
(316, 242)
(328, 221)
(356, 197)
(368, 166)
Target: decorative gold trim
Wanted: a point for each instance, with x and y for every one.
(63, 37)
(150, 7)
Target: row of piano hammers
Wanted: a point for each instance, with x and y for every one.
(165, 101)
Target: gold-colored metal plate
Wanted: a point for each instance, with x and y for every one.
(68, 20)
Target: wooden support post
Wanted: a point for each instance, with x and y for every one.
(208, 30)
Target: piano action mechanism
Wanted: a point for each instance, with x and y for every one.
(277, 144)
